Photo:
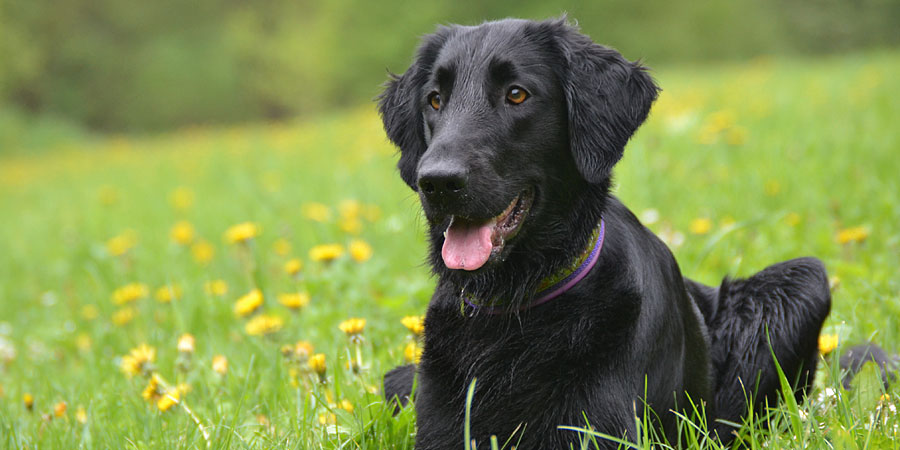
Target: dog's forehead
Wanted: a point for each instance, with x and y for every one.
(474, 47)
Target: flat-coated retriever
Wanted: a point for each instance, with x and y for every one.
(550, 292)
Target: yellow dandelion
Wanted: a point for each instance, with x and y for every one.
(350, 208)
(122, 243)
(834, 282)
(353, 327)
(216, 287)
(326, 252)
(220, 364)
(700, 226)
(415, 324)
(83, 342)
(90, 312)
(81, 415)
(316, 211)
(152, 392)
(327, 419)
(281, 246)
(854, 234)
(350, 225)
(166, 294)
(727, 222)
(294, 301)
(360, 250)
(412, 352)
(772, 188)
(138, 360)
(168, 400)
(317, 364)
(346, 406)
(182, 198)
(59, 409)
(28, 400)
(827, 343)
(293, 266)
(123, 316)
(182, 233)
(302, 350)
(203, 252)
(249, 303)
(792, 219)
(263, 324)
(129, 293)
(186, 343)
(242, 232)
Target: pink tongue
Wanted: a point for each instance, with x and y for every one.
(467, 246)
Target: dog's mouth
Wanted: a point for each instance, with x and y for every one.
(469, 244)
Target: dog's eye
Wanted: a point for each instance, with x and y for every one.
(516, 95)
(434, 99)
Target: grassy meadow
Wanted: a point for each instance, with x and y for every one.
(262, 241)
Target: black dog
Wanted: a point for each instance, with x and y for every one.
(550, 292)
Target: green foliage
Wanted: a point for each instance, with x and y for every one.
(114, 65)
(739, 166)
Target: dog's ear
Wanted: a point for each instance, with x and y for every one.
(608, 97)
(401, 102)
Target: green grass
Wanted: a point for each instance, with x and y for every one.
(765, 161)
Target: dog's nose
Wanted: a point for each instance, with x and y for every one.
(442, 182)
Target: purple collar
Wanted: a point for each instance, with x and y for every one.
(559, 283)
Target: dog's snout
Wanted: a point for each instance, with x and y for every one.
(442, 182)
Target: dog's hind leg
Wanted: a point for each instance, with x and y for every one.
(778, 310)
(398, 385)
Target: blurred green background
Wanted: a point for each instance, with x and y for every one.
(128, 66)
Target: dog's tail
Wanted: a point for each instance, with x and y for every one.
(854, 358)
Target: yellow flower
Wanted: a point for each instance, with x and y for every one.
(182, 198)
(281, 246)
(349, 208)
(182, 233)
(326, 252)
(346, 406)
(855, 234)
(294, 301)
(827, 343)
(216, 287)
(302, 350)
(263, 324)
(360, 250)
(293, 266)
(793, 219)
(59, 409)
(170, 399)
(317, 364)
(83, 342)
(412, 352)
(700, 226)
(81, 415)
(123, 316)
(415, 324)
(122, 243)
(351, 225)
(139, 360)
(327, 419)
(152, 391)
(166, 294)
(249, 303)
(28, 400)
(834, 282)
(89, 312)
(186, 343)
(353, 327)
(242, 232)
(772, 188)
(129, 293)
(736, 136)
(316, 211)
(203, 252)
(220, 364)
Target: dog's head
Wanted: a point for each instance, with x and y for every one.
(501, 126)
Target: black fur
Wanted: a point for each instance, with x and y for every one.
(634, 324)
